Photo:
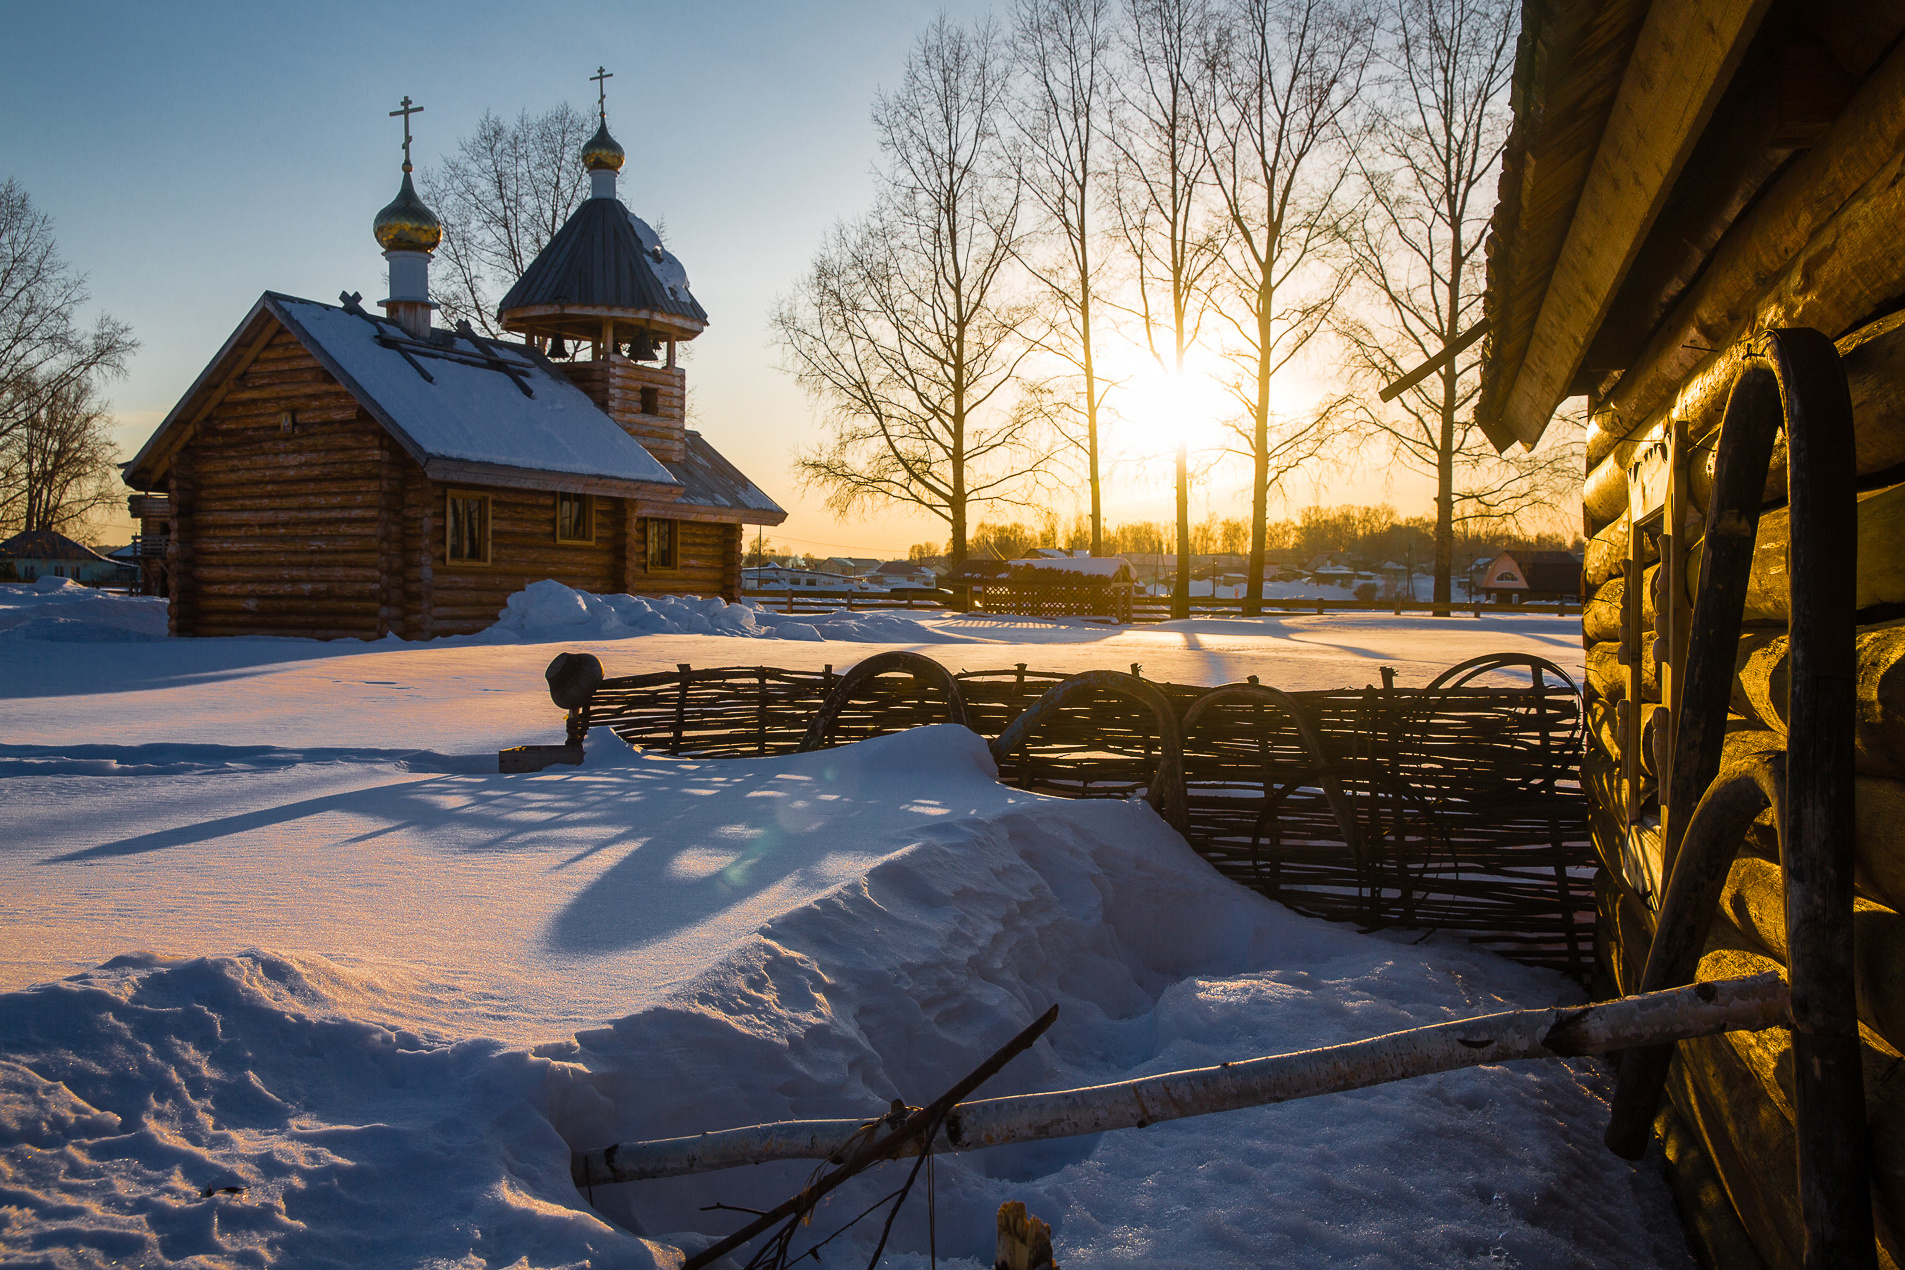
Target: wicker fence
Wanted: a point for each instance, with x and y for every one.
(1454, 807)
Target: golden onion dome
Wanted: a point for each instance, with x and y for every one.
(603, 153)
(406, 224)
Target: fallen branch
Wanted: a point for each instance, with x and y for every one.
(872, 1148)
(1701, 1009)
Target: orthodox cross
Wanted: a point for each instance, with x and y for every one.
(601, 91)
(407, 111)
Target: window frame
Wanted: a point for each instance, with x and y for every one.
(588, 518)
(673, 563)
(450, 559)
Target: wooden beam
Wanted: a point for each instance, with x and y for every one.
(1785, 232)
(1685, 56)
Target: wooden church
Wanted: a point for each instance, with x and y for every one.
(335, 472)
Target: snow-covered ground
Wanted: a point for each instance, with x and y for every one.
(269, 920)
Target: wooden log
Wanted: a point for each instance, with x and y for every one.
(1607, 677)
(1881, 557)
(1700, 1196)
(1794, 234)
(1701, 1009)
(1736, 1092)
(1874, 358)
(1760, 690)
(1604, 494)
(1606, 554)
(1754, 900)
(1601, 615)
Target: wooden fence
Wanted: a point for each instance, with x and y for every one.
(1460, 806)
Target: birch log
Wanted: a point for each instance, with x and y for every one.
(1701, 1009)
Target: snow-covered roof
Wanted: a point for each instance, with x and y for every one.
(485, 412)
(709, 480)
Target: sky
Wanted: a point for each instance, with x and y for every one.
(195, 155)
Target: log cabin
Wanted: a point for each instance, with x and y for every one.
(1698, 231)
(337, 473)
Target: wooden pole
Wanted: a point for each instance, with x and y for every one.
(1703, 1009)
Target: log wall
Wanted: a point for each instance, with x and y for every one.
(1731, 1101)
(616, 384)
(295, 513)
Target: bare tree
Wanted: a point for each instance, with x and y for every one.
(502, 196)
(1287, 74)
(905, 328)
(1429, 174)
(1161, 201)
(59, 466)
(46, 355)
(1063, 48)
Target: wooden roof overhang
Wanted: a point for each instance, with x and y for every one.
(1666, 165)
(149, 467)
(587, 322)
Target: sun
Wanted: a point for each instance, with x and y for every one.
(1153, 408)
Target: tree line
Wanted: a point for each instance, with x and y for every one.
(1281, 180)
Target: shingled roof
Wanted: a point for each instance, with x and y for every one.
(44, 544)
(600, 260)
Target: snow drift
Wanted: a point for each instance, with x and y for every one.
(60, 609)
(548, 610)
(280, 1108)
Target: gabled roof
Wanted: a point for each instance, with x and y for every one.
(709, 480)
(601, 259)
(485, 412)
(44, 544)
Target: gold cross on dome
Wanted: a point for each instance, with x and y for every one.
(601, 91)
(407, 111)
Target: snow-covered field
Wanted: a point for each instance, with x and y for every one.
(269, 920)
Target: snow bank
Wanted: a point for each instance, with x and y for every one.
(830, 931)
(548, 610)
(245, 1110)
(60, 609)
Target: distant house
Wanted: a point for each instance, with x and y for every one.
(780, 577)
(41, 553)
(852, 566)
(1532, 575)
(904, 575)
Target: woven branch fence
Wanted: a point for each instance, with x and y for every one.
(1456, 806)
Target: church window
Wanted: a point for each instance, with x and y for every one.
(466, 528)
(651, 401)
(575, 518)
(661, 543)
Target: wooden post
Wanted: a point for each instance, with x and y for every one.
(681, 707)
(760, 699)
(1025, 1242)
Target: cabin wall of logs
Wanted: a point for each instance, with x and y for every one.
(294, 512)
(1818, 249)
